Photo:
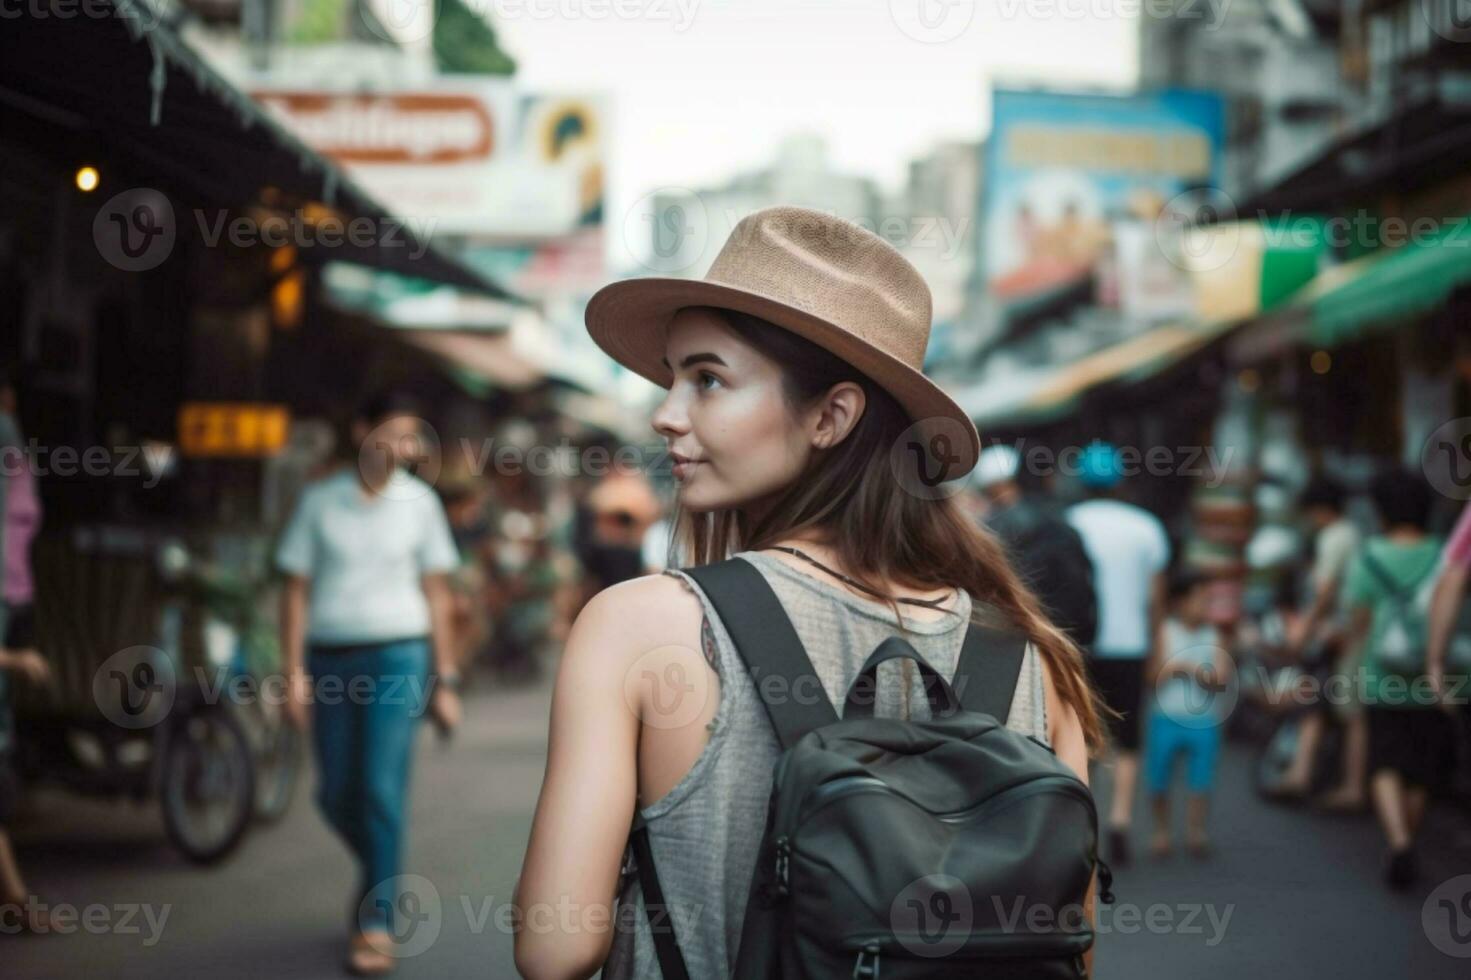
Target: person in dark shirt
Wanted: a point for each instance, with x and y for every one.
(1044, 549)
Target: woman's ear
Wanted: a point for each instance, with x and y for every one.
(837, 413)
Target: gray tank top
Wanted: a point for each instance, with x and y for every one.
(705, 832)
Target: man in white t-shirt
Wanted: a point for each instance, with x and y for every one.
(1130, 551)
(365, 640)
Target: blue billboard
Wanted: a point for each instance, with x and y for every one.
(1066, 172)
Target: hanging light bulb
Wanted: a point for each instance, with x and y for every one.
(88, 178)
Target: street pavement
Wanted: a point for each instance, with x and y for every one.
(1289, 893)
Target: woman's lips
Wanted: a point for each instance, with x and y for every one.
(684, 467)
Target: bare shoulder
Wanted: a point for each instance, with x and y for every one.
(642, 613)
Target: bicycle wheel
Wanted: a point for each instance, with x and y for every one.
(207, 785)
(278, 766)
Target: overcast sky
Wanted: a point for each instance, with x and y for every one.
(703, 89)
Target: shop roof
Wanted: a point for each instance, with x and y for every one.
(132, 83)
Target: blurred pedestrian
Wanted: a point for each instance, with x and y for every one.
(523, 576)
(656, 544)
(367, 554)
(1316, 641)
(1046, 551)
(21, 509)
(1388, 596)
(1129, 551)
(621, 507)
(1187, 670)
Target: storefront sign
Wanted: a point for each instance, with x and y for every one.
(241, 429)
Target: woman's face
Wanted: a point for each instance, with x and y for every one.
(726, 411)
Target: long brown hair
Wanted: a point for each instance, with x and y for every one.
(847, 498)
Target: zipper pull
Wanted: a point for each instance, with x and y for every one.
(867, 971)
(1105, 883)
(783, 865)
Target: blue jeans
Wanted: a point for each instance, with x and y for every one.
(367, 701)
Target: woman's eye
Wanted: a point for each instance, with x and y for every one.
(704, 375)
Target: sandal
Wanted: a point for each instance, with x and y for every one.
(370, 955)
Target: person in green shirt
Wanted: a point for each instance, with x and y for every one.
(1387, 594)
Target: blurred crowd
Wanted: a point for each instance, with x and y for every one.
(1345, 664)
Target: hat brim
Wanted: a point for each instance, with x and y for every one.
(629, 320)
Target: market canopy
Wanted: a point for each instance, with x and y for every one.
(129, 85)
(1390, 286)
(1040, 395)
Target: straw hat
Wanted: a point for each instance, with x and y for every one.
(828, 280)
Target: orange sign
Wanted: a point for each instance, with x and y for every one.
(419, 127)
(232, 429)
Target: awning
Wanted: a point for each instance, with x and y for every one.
(491, 357)
(128, 85)
(1380, 290)
(411, 303)
(1135, 359)
(1040, 395)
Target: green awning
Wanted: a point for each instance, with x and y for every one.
(1394, 285)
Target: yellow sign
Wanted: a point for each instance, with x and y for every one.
(232, 428)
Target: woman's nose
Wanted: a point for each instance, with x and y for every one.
(669, 418)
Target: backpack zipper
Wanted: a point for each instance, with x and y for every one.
(849, 785)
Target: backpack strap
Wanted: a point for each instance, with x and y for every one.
(768, 645)
(661, 921)
(990, 664)
(1400, 591)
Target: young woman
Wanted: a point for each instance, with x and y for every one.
(806, 441)
(367, 556)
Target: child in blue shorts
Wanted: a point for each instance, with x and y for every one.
(1189, 673)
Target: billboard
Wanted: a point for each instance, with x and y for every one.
(462, 156)
(1074, 184)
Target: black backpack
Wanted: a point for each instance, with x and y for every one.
(953, 847)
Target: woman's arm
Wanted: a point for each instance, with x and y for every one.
(588, 794)
(1450, 592)
(1066, 734)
